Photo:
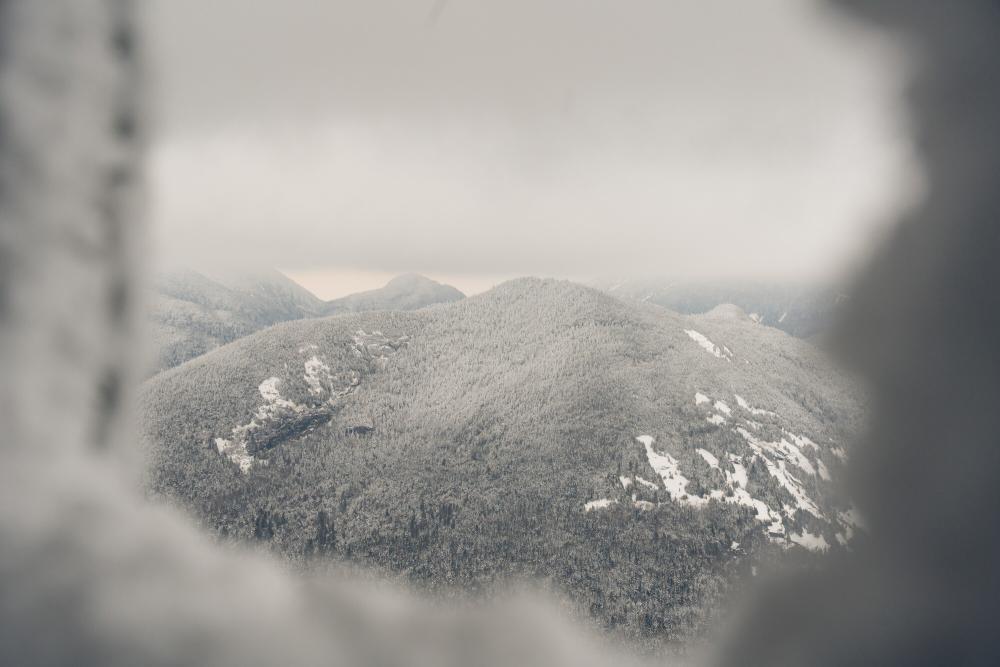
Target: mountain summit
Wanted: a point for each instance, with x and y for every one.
(406, 292)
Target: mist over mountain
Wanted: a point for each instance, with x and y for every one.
(802, 310)
(191, 312)
(638, 461)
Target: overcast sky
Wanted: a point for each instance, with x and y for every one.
(475, 140)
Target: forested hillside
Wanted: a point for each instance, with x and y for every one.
(637, 460)
(191, 313)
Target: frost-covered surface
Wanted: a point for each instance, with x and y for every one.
(269, 389)
(785, 462)
(778, 469)
(795, 456)
(676, 485)
(194, 312)
(802, 441)
(799, 488)
(628, 482)
(235, 452)
(710, 458)
(742, 402)
(493, 389)
(280, 415)
(646, 483)
(315, 368)
(377, 346)
(274, 407)
(600, 504)
(739, 474)
(709, 346)
(666, 467)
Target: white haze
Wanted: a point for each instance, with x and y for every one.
(345, 142)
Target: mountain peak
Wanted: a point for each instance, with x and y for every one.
(727, 311)
(410, 280)
(408, 291)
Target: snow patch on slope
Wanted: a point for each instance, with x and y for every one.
(376, 346)
(235, 448)
(269, 389)
(646, 483)
(666, 467)
(779, 471)
(709, 346)
(802, 441)
(320, 380)
(600, 504)
(739, 474)
(676, 484)
(314, 369)
(709, 458)
(744, 405)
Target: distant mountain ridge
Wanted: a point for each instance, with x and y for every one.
(406, 292)
(192, 312)
(804, 311)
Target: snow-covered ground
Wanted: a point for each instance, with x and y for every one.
(235, 447)
(744, 405)
(709, 457)
(666, 467)
(315, 369)
(779, 471)
(600, 504)
(709, 346)
(779, 458)
(324, 387)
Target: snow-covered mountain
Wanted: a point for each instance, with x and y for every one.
(406, 292)
(636, 459)
(193, 312)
